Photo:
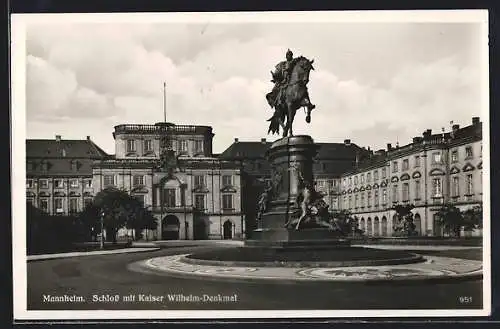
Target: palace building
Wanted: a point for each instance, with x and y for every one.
(172, 171)
(196, 194)
(432, 170)
(59, 174)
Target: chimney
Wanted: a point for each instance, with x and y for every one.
(427, 133)
(263, 140)
(475, 120)
(389, 146)
(58, 138)
(236, 140)
(347, 142)
(88, 138)
(455, 127)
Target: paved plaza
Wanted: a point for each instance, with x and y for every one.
(97, 279)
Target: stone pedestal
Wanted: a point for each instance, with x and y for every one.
(291, 160)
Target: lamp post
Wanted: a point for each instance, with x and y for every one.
(102, 230)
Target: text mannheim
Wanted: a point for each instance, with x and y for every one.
(214, 196)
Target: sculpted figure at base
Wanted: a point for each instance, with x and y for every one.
(263, 202)
(290, 93)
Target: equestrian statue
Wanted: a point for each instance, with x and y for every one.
(290, 93)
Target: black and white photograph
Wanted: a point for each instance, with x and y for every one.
(233, 165)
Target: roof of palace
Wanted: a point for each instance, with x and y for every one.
(61, 157)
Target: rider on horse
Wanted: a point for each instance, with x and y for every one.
(286, 87)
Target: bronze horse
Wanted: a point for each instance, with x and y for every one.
(293, 96)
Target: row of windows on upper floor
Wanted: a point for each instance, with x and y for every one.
(437, 192)
(147, 145)
(57, 183)
(139, 180)
(436, 158)
(58, 205)
(45, 165)
(168, 199)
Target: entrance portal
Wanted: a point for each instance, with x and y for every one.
(170, 228)
(227, 230)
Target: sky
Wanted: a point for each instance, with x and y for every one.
(373, 83)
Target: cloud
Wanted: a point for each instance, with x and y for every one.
(373, 83)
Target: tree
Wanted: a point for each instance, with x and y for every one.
(473, 218)
(404, 225)
(346, 222)
(141, 219)
(451, 218)
(117, 207)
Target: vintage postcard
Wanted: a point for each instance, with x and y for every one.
(250, 165)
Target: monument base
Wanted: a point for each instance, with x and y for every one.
(319, 238)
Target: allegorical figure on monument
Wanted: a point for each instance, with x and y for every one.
(289, 93)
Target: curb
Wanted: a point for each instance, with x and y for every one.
(34, 258)
(414, 258)
(143, 267)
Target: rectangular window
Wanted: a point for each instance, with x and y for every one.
(29, 183)
(350, 181)
(384, 173)
(350, 202)
(198, 146)
(88, 183)
(375, 198)
(394, 166)
(368, 199)
(332, 183)
(138, 180)
(199, 181)
(417, 160)
(406, 164)
(417, 189)
(406, 192)
(58, 206)
(469, 184)
(148, 145)
(169, 198)
(355, 180)
(375, 175)
(384, 196)
(183, 145)
(109, 180)
(43, 183)
(227, 201)
(199, 201)
(468, 152)
(455, 186)
(356, 201)
(73, 183)
(436, 157)
(29, 202)
(436, 187)
(454, 156)
(362, 178)
(227, 180)
(130, 145)
(44, 205)
(73, 205)
(368, 177)
(58, 183)
(362, 199)
(394, 193)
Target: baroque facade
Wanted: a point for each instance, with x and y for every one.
(172, 171)
(59, 174)
(432, 170)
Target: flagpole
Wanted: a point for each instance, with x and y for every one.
(164, 102)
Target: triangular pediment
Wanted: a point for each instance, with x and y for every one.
(384, 184)
(228, 189)
(362, 188)
(349, 191)
(405, 177)
(416, 174)
(436, 172)
(369, 187)
(73, 193)
(394, 179)
(468, 167)
(375, 185)
(200, 189)
(480, 165)
(139, 189)
(44, 194)
(454, 170)
(58, 193)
